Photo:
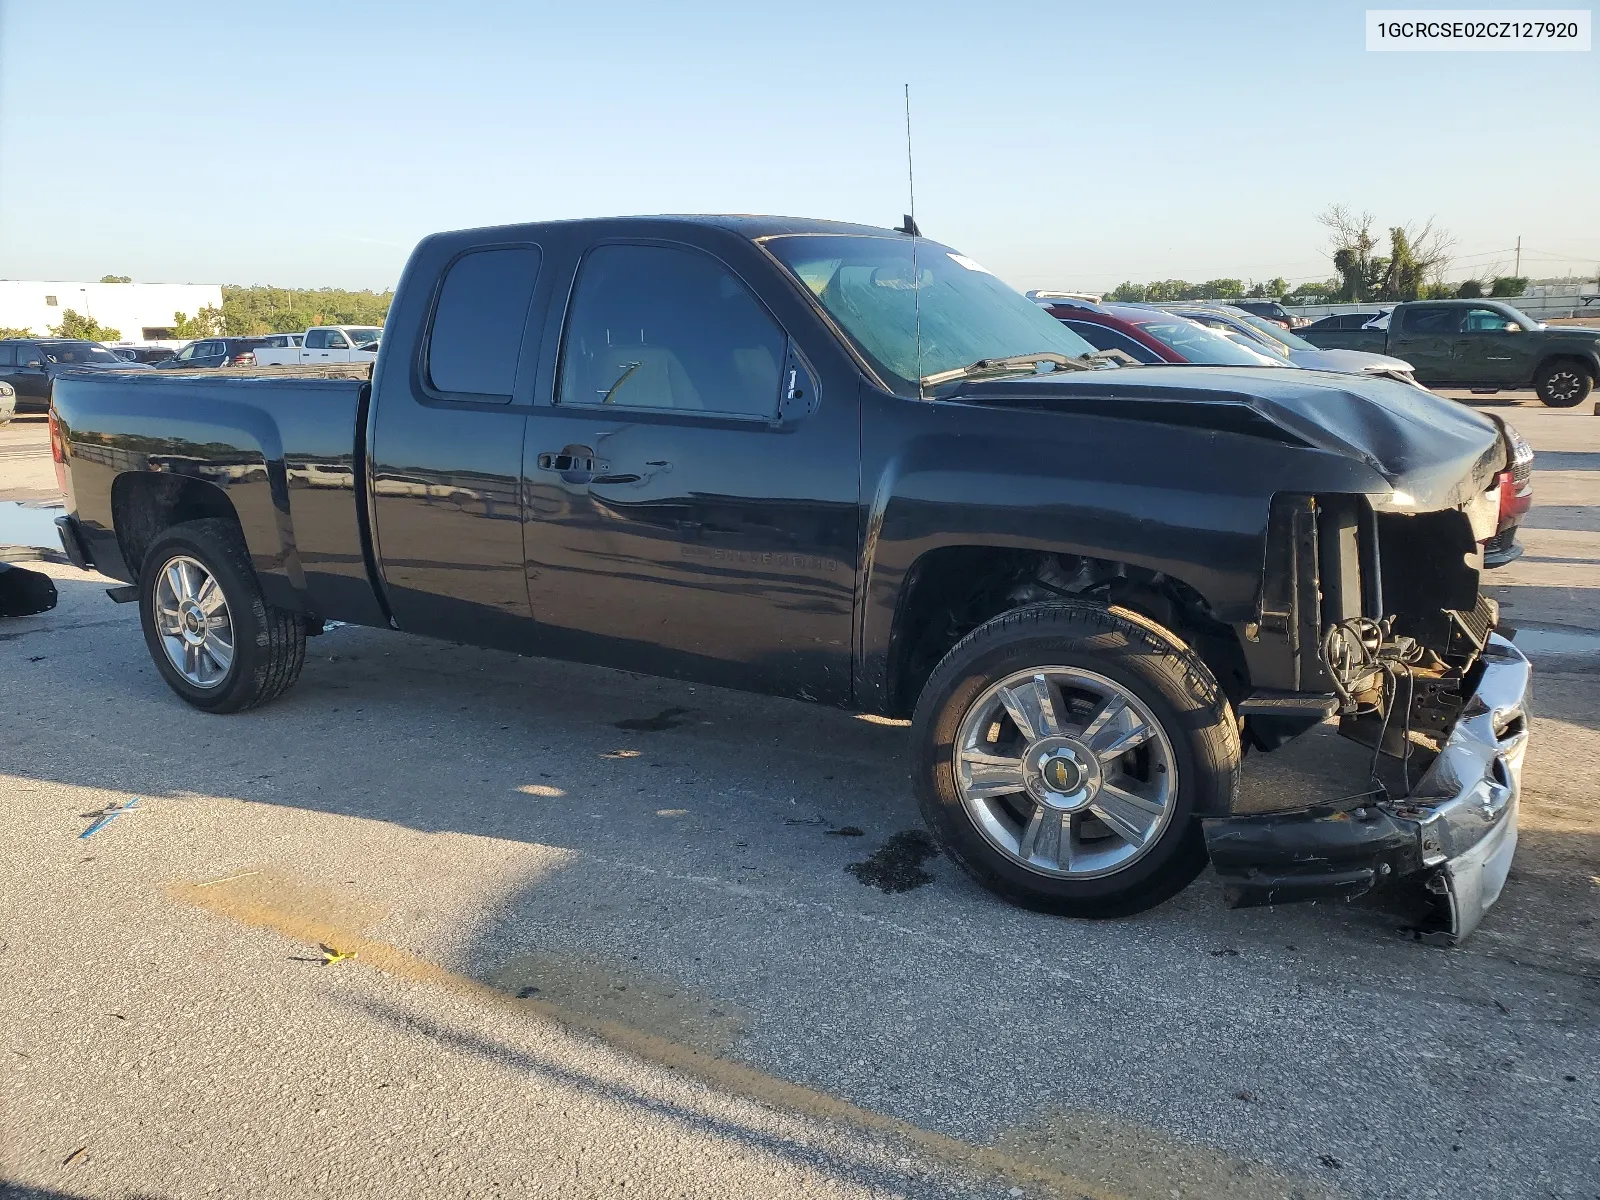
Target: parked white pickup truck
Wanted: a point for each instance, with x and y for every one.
(325, 344)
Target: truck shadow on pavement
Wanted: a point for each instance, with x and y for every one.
(706, 851)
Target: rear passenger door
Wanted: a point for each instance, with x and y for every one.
(692, 499)
(28, 376)
(446, 436)
(209, 354)
(1426, 338)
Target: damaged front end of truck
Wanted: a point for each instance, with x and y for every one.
(1371, 610)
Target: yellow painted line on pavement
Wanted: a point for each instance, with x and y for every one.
(316, 918)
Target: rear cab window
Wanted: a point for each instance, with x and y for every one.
(475, 337)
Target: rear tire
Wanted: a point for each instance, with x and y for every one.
(214, 638)
(1564, 383)
(1054, 844)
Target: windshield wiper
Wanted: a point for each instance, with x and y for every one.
(1013, 364)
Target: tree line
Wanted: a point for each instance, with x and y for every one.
(245, 311)
(1413, 269)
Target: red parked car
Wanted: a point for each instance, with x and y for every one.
(1150, 336)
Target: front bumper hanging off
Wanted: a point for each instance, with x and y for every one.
(1457, 830)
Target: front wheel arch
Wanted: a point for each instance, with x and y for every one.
(1550, 370)
(1116, 646)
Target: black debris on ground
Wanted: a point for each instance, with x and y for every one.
(896, 866)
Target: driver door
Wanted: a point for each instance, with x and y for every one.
(1494, 349)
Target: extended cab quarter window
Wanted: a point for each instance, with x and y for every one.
(661, 327)
(477, 323)
(8, 356)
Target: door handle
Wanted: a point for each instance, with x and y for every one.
(575, 464)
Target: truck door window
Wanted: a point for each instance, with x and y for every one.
(660, 327)
(8, 356)
(476, 337)
(317, 339)
(1487, 320)
(337, 340)
(1429, 322)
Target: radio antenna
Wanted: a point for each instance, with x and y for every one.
(916, 235)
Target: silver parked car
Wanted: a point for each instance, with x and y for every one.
(1258, 332)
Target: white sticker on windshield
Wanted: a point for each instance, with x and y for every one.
(969, 264)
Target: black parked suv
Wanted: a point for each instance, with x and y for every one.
(215, 352)
(29, 364)
(1272, 311)
(1342, 322)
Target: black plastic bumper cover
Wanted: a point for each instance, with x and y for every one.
(72, 544)
(1308, 854)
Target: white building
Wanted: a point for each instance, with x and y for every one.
(140, 312)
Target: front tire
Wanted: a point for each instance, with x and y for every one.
(214, 638)
(1063, 753)
(1564, 384)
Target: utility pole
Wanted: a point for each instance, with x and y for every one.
(1518, 271)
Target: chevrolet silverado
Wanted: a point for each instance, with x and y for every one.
(848, 465)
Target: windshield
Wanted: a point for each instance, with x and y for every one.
(1276, 332)
(865, 283)
(1198, 344)
(364, 334)
(78, 352)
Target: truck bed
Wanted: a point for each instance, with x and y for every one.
(285, 449)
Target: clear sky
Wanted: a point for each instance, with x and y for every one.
(1061, 144)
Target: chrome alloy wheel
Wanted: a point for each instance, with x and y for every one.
(192, 618)
(1065, 772)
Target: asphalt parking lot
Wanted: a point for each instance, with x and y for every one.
(607, 939)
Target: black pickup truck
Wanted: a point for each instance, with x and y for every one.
(848, 465)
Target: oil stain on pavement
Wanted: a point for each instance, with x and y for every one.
(667, 718)
(896, 866)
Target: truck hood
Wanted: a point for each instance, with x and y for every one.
(1431, 452)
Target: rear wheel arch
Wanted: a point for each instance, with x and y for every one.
(145, 504)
